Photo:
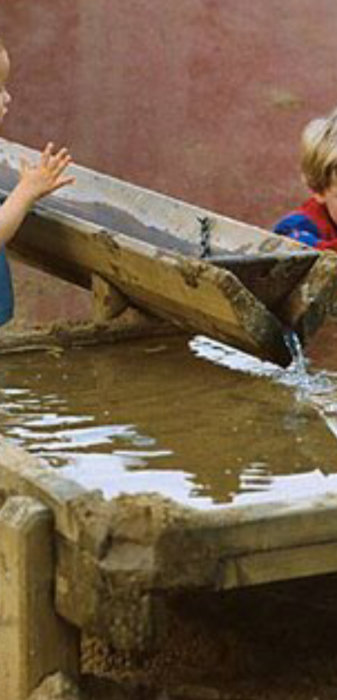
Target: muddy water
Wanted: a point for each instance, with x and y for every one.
(194, 420)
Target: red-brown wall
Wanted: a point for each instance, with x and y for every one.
(201, 99)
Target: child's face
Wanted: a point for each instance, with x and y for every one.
(329, 198)
(4, 74)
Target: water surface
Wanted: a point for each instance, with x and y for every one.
(196, 421)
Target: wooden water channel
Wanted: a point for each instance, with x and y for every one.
(134, 246)
(72, 562)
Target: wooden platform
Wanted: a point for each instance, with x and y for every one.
(114, 558)
(147, 246)
(110, 568)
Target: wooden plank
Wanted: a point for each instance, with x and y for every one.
(147, 245)
(109, 303)
(279, 565)
(137, 211)
(131, 325)
(276, 264)
(270, 276)
(188, 292)
(308, 304)
(232, 531)
(34, 640)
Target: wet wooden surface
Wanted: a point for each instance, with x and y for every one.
(160, 278)
(269, 266)
(150, 247)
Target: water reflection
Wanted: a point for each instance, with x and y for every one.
(201, 423)
(296, 375)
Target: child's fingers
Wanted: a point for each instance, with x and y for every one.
(60, 161)
(46, 153)
(61, 154)
(62, 181)
(59, 157)
(59, 169)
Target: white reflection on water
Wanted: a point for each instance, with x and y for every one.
(128, 473)
(73, 437)
(113, 475)
(292, 487)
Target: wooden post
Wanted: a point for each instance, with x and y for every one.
(34, 640)
(108, 301)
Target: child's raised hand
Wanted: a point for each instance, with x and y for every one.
(47, 175)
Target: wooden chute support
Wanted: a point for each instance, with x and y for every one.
(109, 302)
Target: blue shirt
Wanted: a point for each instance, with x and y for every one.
(299, 227)
(6, 290)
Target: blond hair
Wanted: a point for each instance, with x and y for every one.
(319, 152)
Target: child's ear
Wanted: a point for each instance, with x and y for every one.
(319, 196)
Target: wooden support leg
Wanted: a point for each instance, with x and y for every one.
(108, 301)
(34, 641)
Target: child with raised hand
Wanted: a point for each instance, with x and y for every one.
(36, 181)
(315, 221)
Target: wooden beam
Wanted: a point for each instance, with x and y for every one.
(185, 291)
(146, 245)
(34, 640)
(279, 565)
(131, 324)
(108, 301)
(308, 304)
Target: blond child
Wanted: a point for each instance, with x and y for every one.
(35, 182)
(315, 221)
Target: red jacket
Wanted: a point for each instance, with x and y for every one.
(311, 224)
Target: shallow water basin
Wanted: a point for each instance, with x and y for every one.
(192, 420)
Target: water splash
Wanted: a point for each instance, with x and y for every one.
(308, 384)
(299, 362)
(298, 374)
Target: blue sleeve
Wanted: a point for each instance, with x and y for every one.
(300, 228)
(6, 290)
